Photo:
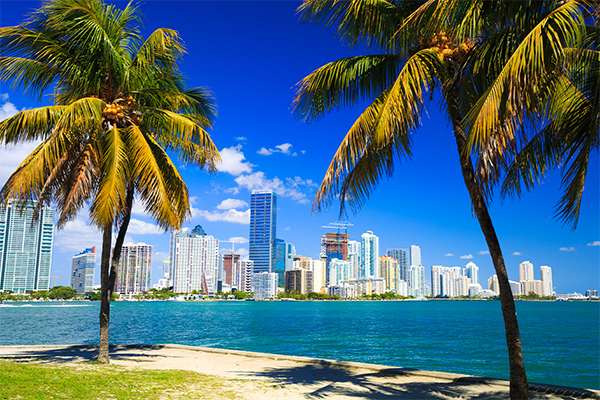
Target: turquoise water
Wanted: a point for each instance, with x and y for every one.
(561, 340)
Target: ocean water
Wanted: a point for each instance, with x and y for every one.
(561, 340)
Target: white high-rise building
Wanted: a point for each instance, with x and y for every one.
(264, 285)
(82, 271)
(196, 261)
(436, 273)
(354, 256)
(415, 255)
(25, 246)
(245, 271)
(319, 279)
(472, 271)
(369, 256)
(339, 271)
(493, 284)
(135, 269)
(546, 273)
(417, 281)
(526, 271)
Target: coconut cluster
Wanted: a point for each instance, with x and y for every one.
(444, 46)
(113, 112)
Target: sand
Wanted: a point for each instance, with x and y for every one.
(258, 376)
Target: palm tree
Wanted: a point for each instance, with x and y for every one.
(423, 46)
(119, 105)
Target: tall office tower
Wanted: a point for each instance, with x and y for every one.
(436, 273)
(290, 252)
(546, 273)
(415, 255)
(135, 267)
(525, 271)
(417, 281)
(388, 270)
(299, 280)
(196, 261)
(167, 272)
(354, 256)
(493, 284)
(229, 267)
(279, 265)
(25, 246)
(82, 271)
(401, 255)
(369, 255)
(263, 229)
(334, 246)
(245, 268)
(339, 271)
(319, 276)
(264, 285)
(472, 271)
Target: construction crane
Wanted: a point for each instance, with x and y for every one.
(56, 277)
(233, 242)
(339, 225)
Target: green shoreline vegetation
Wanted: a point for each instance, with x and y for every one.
(92, 380)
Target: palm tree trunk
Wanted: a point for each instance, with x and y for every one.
(519, 388)
(108, 273)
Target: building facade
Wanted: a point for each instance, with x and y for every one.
(546, 274)
(472, 271)
(299, 280)
(388, 270)
(25, 246)
(245, 274)
(369, 257)
(82, 271)
(526, 271)
(401, 255)
(263, 230)
(264, 285)
(196, 261)
(134, 271)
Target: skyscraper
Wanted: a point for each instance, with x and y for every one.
(417, 281)
(546, 273)
(401, 255)
(525, 271)
(230, 268)
(25, 246)
(388, 270)
(369, 257)
(263, 229)
(354, 256)
(472, 271)
(135, 267)
(196, 261)
(82, 271)
(415, 255)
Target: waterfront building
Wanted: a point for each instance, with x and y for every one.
(369, 285)
(415, 255)
(354, 256)
(345, 290)
(279, 262)
(263, 229)
(299, 280)
(264, 285)
(591, 293)
(526, 271)
(302, 262)
(319, 275)
(388, 270)
(401, 256)
(167, 272)
(25, 246)
(134, 270)
(417, 281)
(533, 286)
(230, 262)
(339, 271)
(369, 257)
(82, 271)
(546, 275)
(493, 284)
(462, 285)
(436, 274)
(472, 272)
(196, 261)
(402, 288)
(333, 246)
(245, 274)
(515, 287)
(475, 289)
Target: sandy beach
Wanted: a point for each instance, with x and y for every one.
(259, 376)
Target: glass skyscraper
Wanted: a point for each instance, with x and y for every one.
(401, 255)
(82, 271)
(25, 246)
(263, 221)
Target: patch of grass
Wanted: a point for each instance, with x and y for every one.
(102, 382)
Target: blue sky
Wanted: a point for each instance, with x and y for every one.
(251, 54)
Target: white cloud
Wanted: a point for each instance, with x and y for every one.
(264, 152)
(467, 256)
(484, 252)
(292, 188)
(517, 253)
(228, 204)
(77, 236)
(449, 255)
(287, 228)
(7, 109)
(567, 249)
(233, 216)
(284, 148)
(594, 243)
(238, 239)
(240, 138)
(13, 155)
(160, 256)
(232, 161)
(139, 227)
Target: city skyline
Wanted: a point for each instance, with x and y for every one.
(424, 204)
